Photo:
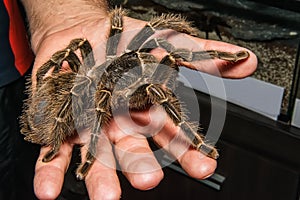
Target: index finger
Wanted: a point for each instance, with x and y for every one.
(216, 66)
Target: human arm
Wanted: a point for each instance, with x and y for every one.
(102, 180)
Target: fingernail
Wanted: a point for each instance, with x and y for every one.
(208, 176)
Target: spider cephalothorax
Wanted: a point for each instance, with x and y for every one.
(84, 97)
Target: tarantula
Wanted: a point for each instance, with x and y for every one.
(66, 101)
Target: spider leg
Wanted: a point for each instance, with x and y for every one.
(166, 73)
(103, 116)
(86, 52)
(155, 43)
(187, 55)
(167, 21)
(165, 98)
(56, 108)
(107, 82)
(62, 128)
(53, 151)
(115, 32)
(68, 54)
(173, 60)
(69, 109)
(56, 62)
(50, 116)
(211, 54)
(176, 23)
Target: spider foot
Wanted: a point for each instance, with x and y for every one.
(50, 155)
(83, 169)
(208, 150)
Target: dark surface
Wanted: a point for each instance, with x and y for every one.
(258, 158)
(292, 5)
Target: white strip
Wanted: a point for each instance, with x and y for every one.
(296, 114)
(251, 93)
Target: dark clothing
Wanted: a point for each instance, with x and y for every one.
(16, 56)
(18, 157)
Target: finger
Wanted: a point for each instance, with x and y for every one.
(138, 163)
(135, 157)
(171, 139)
(49, 176)
(216, 67)
(195, 163)
(232, 70)
(102, 181)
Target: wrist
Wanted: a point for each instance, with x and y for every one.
(50, 17)
(77, 26)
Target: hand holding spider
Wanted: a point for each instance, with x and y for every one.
(142, 171)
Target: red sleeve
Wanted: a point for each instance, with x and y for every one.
(18, 37)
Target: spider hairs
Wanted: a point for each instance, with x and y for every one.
(64, 102)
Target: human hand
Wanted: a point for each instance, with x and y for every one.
(130, 145)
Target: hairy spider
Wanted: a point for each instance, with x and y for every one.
(63, 102)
